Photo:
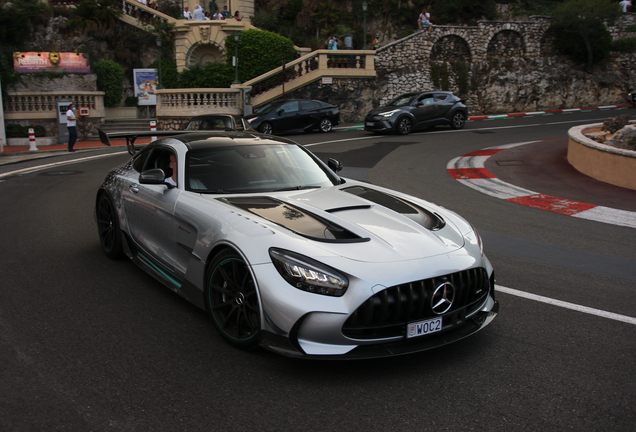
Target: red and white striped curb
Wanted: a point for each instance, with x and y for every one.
(470, 170)
(500, 116)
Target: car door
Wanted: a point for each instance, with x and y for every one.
(286, 117)
(310, 114)
(425, 109)
(150, 212)
(444, 102)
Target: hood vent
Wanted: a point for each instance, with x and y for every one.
(295, 219)
(425, 218)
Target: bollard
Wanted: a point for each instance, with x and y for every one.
(153, 128)
(32, 146)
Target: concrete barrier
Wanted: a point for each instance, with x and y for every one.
(600, 161)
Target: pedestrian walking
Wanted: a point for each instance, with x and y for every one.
(71, 125)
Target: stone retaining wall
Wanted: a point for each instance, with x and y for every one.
(602, 162)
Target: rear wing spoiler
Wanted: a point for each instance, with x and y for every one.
(105, 137)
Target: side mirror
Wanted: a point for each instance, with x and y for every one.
(334, 165)
(281, 111)
(154, 176)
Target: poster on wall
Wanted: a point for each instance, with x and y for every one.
(145, 86)
(50, 62)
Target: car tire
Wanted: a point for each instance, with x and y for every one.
(266, 128)
(108, 227)
(232, 301)
(459, 120)
(325, 125)
(404, 126)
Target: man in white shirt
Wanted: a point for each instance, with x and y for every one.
(186, 14)
(173, 166)
(625, 4)
(71, 126)
(198, 13)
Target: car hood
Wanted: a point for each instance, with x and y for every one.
(359, 222)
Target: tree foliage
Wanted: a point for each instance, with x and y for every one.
(96, 12)
(259, 52)
(580, 25)
(110, 80)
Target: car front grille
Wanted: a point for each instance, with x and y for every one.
(386, 314)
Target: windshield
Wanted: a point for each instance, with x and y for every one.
(255, 168)
(405, 99)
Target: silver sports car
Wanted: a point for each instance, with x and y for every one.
(285, 254)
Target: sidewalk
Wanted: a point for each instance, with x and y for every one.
(14, 154)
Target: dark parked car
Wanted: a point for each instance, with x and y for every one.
(412, 111)
(294, 115)
(210, 122)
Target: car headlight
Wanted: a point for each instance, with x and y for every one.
(307, 274)
(251, 120)
(388, 113)
(479, 241)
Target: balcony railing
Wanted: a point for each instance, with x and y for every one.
(313, 66)
(42, 105)
(191, 102)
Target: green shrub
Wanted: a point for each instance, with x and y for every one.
(213, 75)
(38, 130)
(251, 48)
(613, 125)
(169, 74)
(13, 130)
(110, 79)
(460, 68)
(131, 101)
(624, 45)
(631, 28)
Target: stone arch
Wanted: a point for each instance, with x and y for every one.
(451, 47)
(506, 43)
(547, 44)
(201, 54)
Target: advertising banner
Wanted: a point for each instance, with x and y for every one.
(145, 86)
(51, 62)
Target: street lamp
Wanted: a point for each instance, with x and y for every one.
(236, 39)
(159, 86)
(364, 9)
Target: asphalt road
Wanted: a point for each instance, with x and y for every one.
(91, 344)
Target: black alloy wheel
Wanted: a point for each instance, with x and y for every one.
(267, 128)
(108, 227)
(459, 120)
(404, 126)
(232, 301)
(325, 125)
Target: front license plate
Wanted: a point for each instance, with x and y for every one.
(423, 327)
(370, 124)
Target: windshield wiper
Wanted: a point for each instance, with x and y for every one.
(296, 188)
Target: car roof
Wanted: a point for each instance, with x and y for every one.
(203, 140)
(207, 116)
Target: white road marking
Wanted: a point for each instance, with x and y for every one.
(46, 166)
(372, 136)
(566, 305)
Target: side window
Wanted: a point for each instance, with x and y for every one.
(441, 96)
(290, 106)
(427, 99)
(140, 160)
(308, 105)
